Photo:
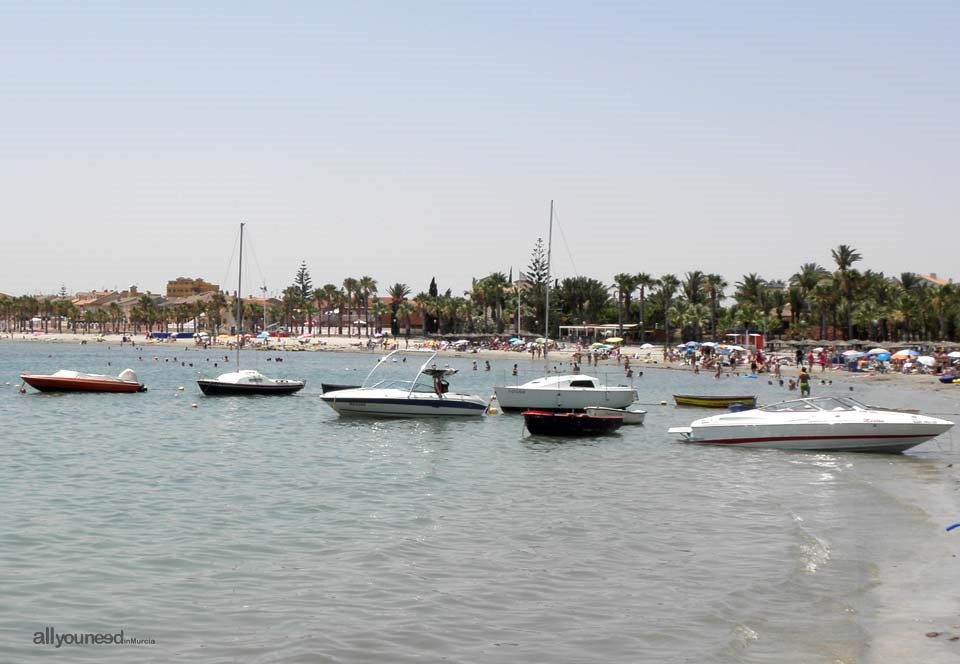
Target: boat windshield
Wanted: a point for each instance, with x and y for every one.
(420, 386)
(815, 404)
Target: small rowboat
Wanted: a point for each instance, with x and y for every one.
(629, 416)
(950, 379)
(711, 401)
(75, 381)
(546, 423)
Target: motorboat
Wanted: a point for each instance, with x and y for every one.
(550, 423)
(66, 380)
(573, 392)
(835, 424)
(630, 416)
(427, 395)
(248, 381)
(714, 401)
(244, 382)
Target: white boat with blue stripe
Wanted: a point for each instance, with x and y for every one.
(427, 395)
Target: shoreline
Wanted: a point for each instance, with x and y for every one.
(645, 360)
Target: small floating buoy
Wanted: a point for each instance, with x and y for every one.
(193, 405)
(180, 388)
(663, 403)
(492, 411)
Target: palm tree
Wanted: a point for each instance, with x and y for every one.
(845, 256)
(216, 309)
(328, 297)
(625, 284)
(751, 290)
(668, 285)
(806, 279)
(714, 287)
(398, 295)
(349, 288)
(424, 303)
(366, 287)
(404, 311)
(644, 281)
(378, 308)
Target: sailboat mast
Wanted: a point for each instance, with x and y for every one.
(546, 314)
(239, 301)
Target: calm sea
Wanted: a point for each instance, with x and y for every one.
(270, 530)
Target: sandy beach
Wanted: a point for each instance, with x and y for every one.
(650, 359)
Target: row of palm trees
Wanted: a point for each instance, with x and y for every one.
(813, 302)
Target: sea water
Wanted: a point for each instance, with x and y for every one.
(268, 529)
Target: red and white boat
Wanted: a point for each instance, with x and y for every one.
(66, 380)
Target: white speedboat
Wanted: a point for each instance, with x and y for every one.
(563, 393)
(835, 424)
(427, 395)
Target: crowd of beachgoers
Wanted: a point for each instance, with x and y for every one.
(916, 365)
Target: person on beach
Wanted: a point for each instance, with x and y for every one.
(804, 379)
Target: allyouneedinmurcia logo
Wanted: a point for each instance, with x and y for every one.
(51, 637)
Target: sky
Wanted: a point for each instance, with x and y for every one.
(411, 140)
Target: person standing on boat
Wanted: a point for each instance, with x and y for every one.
(804, 379)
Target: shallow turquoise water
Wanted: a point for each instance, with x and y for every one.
(268, 529)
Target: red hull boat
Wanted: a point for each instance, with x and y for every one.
(75, 381)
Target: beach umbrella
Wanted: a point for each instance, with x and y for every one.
(692, 344)
(818, 349)
(853, 355)
(615, 340)
(905, 353)
(877, 351)
(515, 340)
(882, 357)
(263, 335)
(926, 360)
(955, 353)
(646, 346)
(709, 344)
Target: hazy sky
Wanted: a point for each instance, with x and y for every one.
(404, 140)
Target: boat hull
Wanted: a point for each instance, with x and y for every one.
(548, 423)
(708, 401)
(211, 387)
(516, 399)
(57, 384)
(818, 437)
(359, 403)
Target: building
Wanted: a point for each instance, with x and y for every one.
(932, 278)
(185, 287)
